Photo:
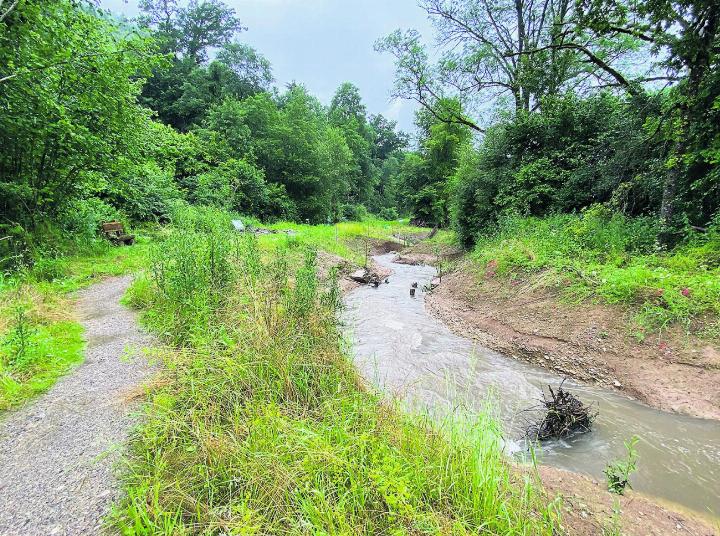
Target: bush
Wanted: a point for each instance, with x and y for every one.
(147, 192)
(83, 217)
(388, 214)
(354, 212)
(239, 186)
(191, 268)
(279, 205)
(571, 154)
(13, 247)
(212, 189)
(473, 211)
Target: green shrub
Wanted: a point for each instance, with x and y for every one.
(49, 268)
(146, 192)
(569, 155)
(618, 472)
(354, 212)
(388, 214)
(83, 217)
(279, 205)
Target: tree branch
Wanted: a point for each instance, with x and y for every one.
(592, 58)
(8, 10)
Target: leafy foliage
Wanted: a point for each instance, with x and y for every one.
(79, 145)
(424, 184)
(618, 472)
(70, 126)
(572, 154)
(577, 124)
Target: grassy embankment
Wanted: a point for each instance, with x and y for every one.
(352, 241)
(259, 424)
(614, 260)
(40, 337)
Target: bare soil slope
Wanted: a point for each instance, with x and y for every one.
(589, 509)
(672, 371)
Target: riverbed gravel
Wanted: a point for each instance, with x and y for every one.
(58, 455)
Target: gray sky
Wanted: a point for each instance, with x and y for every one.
(322, 43)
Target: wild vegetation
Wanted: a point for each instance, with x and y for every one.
(40, 336)
(595, 174)
(608, 257)
(570, 124)
(224, 137)
(259, 423)
(618, 473)
(573, 143)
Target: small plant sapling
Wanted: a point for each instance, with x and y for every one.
(618, 472)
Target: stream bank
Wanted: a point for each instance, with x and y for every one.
(413, 356)
(593, 343)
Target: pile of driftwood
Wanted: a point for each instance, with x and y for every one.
(564, 415)
(367, 277)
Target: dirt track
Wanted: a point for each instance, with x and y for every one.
(57, 453)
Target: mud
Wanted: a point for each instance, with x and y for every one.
(588, 509)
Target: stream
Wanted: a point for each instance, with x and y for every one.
(403, 350)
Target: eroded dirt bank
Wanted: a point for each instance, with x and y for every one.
(588, 342)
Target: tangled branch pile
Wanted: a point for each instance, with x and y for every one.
(565, 415)
(368, 277)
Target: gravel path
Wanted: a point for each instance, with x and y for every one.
(57, 454)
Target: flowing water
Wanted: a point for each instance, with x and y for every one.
(404, 350)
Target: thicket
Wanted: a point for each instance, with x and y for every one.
(260, 424)
(570, 155)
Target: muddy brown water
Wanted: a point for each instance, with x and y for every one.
(402, 349)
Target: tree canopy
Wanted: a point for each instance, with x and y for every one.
(526, 107)
(107, 119)
(572, 104)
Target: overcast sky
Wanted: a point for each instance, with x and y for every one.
(322, 43)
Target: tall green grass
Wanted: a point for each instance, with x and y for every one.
(259, 423)
(613, 259)
(345, 239)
